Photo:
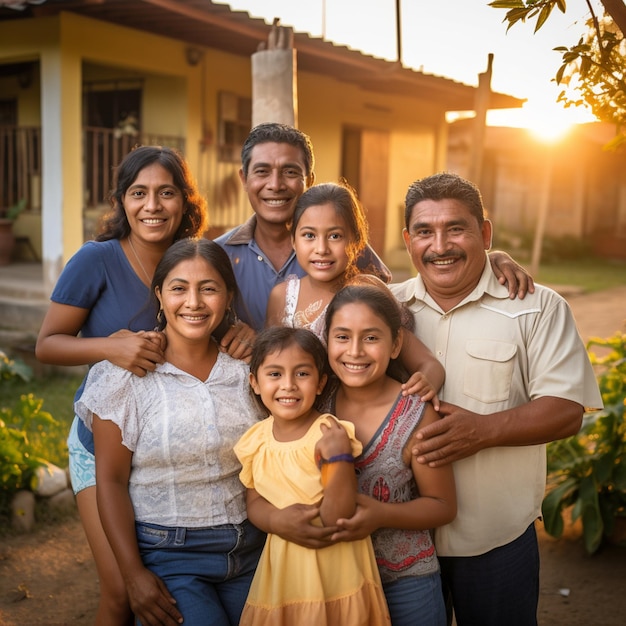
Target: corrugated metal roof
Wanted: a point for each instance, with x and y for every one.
(203, 23)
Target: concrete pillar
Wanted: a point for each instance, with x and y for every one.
(274, 80)
(62, 201)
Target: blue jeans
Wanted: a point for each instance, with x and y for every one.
(498, 587)
(207, 570)
(416, 600)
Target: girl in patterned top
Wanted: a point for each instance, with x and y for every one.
(400, 500)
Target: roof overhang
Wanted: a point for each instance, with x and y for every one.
(202, 23)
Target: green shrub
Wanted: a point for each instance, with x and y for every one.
(565, 248)
(588, 471)
(29, 436)
(10, 369)
(27, 440)
(553, 249)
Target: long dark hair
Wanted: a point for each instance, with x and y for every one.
(383, 304)
(347, 206)
(195, 219)
(185, 249)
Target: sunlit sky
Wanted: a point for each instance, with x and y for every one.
(450, 38)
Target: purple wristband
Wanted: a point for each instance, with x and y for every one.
(346, 458)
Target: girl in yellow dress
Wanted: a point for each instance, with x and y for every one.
(298, 455)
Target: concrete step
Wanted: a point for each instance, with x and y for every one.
(22, 314)
(23, 301)
(22, 289)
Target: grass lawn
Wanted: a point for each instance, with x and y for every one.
(590, 274)
(57, 392)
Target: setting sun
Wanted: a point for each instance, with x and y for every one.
(548, 120)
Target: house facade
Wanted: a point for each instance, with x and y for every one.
(83, 81)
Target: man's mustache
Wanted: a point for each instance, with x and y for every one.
(455, 254)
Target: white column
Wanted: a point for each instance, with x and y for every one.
(62, 177)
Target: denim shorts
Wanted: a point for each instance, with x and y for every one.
(208, 571)
(416, 600)
(82, 462)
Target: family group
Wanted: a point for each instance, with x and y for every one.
(272, 432)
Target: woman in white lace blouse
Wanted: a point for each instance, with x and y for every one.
(168, 486)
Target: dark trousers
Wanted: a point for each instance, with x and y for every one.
(498, 588)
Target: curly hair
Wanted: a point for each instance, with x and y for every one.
(195, 219)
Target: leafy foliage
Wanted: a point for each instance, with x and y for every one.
(593, 70)
(588, 471)
(29, 436)
(10, 369)
(12, 213)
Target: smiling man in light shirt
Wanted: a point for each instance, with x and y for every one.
(517, 377)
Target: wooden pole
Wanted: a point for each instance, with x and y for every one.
(481, 105)
(542, 216)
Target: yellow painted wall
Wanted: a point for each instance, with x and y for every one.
(182, 100)
(413, 132)
(218, 72)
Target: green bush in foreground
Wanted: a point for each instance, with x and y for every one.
(29, 436)
(588, 470)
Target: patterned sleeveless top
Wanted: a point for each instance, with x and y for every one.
(382, 474)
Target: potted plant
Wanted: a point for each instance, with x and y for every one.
(588, 471)
(7, 239)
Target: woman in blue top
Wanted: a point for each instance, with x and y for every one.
(100, 311)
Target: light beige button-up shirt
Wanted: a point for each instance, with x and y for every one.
(499, 354)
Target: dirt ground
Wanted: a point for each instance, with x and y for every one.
(47, 577)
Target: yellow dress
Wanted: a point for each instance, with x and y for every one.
(334, 586)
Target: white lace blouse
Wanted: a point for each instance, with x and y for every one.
(181, 432)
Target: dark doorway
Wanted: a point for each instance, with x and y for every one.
(106, 109)
(112, 114)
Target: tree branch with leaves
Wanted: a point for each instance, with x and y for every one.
(593, 71)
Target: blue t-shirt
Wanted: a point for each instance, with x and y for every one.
(100, 278)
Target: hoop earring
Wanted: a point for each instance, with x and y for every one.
(160, 317)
